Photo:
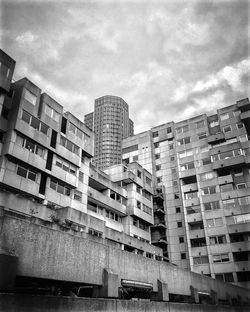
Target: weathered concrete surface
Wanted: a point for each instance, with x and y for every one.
(54, 254)
(27, 303)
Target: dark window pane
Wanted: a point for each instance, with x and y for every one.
(22, 171)
(26, 117)
(32, 176)
(35, 123)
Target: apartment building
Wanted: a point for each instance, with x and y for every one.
(203, 165)
(110, 123)
(46, 172)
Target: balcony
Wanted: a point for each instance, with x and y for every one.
(245, 115)
(159, 210)
(216, 138)
(106, 202)
(189, 187)
(159, 240)
(225, 179)
(199, 233)
(243, 104)
(194, 217)
(240, 246)
(238, 228)
(230, 162)
(187, 173)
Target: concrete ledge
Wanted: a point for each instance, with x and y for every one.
(24, 303)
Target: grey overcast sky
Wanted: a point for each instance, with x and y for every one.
(169, 60)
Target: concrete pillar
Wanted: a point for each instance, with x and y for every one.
(162, 293)
(214, 297)
(110, 285)
(194, 294)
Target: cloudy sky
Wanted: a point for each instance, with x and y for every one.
(169, 60)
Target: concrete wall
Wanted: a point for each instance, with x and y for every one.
(48, 253)
(24, 303)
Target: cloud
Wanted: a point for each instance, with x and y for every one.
(167, 59)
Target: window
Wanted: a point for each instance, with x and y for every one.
(240, 186)
(139, 174)
(224, 116)
(227, 129)
(191, 195)
(214, 222)
(178, 209)
(148, 181)
(112, 215)
(155, 134)
(157, 156)
(244, 218)
(30, 97)
(49, 111)
(4, 70)
(30, 145)
(228, 155)
(156, 145)
(138, 189)
(181, 239)
(185, 153)
(179, 224)
(208, 190)
(60, 187)
(69, 145)
(130, 149)
(171, 146)
(159, 179)
(243, 138)
(200, 260)
(26, 173)
(202, 135)
(220, 258)
(147, 209)
(176, 196)
(138, 204)
(214, 123)
(200, 124)
(187, 166)
(183, 256)
(215, 240)
(175, 183)
(34, 122)
(81, 175)
(183, 141)
(212, 205)
(240, 125)
(169, 129)
(172, 158)
(193, 209)
(158, 167)
(173, 170)
(206, 161)
(225, 277)
(77, 195)
(95, 233)
(66, 166)
(182, 129)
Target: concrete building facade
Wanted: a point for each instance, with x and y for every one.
(110, 123)
(203, 164)
(68, 228)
